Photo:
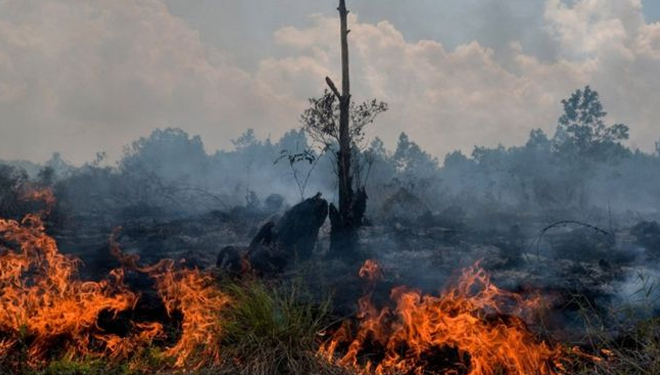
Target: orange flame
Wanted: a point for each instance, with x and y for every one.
(194, 295)
(42, 299)
(40, 296)
(371, 271)
(479, 321)
(44, 195)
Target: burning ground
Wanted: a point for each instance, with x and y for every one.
(177, 315)
(47, 309)
(539, 259)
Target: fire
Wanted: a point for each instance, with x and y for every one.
(193, 294)
(371, 271)
(473, 328)
(41, 297)
(46, 308)
(479, 322)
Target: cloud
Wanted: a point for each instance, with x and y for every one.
(455, 98)
(617, 52)
(81, 78)
(444, 99)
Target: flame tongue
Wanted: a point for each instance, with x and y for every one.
(40, 296)
(193, 294)
(473, 328)
(476, 319)
(44, 305)
(200, 303)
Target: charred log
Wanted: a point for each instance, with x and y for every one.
(230, 259)
(298, 229)
(279, 242)
(265, 236)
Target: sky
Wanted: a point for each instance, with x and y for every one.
(85, 77)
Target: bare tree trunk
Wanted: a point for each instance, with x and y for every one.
(345, 183)
(344, 227)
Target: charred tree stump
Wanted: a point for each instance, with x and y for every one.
(298, 229)
(279, 242)
(343, 238)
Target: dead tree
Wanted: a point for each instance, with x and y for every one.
(344, 235)
(337, 123)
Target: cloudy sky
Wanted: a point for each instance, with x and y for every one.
(87, 76)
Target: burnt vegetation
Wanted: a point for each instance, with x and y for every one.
(289, 256)
(573, 216)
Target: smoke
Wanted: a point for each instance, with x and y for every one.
(427, 218)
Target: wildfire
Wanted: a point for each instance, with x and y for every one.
(45, 308)
(371, 271)
(46, 311)
(475, 326)
(191, 293)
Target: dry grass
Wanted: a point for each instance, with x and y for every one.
(625, 343)
(635, 352)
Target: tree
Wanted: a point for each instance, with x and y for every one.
(171, 154)
(582, 141)
(413, 164)
(159, 169)
(582, 131)
(245, 140)
(302, 159)
(247, 145)
(456, 160)
(538, 141)
(332, 120)
(306, 156)
(321, 122)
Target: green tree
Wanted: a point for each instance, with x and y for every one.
(412, 163)
(582, 130)
(538, 141)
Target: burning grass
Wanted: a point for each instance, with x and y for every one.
(638, 353)
(635, 351)
(48, 314)
(473, 328)
(54, 323)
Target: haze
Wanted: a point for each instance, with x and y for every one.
(84, 78)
